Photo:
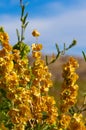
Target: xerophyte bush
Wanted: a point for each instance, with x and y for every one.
(25, 103)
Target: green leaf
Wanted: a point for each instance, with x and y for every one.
(25, 17)
(26, 24)
(23, 8)
(84, 55)
(46, 60)
(57, 48)
(18, 35)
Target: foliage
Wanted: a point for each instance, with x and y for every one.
(84, 55)
(25, 103)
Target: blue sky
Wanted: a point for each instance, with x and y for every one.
(58, 21)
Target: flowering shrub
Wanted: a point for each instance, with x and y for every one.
(25, 103)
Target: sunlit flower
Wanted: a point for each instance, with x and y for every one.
(77, 123)
(64, 121)
(36, 54)
(36, 47)
(35, 33)
(4, 37)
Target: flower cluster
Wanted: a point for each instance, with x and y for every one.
(26, 87)
(68, 120)
(14, 78)
(69, 86)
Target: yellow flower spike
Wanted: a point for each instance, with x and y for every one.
(69, 86)
(35, 33)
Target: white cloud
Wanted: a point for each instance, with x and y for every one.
(71, 24)
(53, 7)
(62, 28)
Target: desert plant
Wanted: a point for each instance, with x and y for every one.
(25, 103)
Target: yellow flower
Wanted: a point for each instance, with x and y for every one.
(4, 37)
(14, 114)
(35, 91)
(78, 117)
(7, 46)
(64, 121)
(77, 123)
(35, 33)
(16, 55)
(10, 65)
(36, 54)
(36, 47)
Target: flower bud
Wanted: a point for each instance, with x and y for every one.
(35, 33)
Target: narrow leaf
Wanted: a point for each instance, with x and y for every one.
(26, 24)
(23, 8)
(46, 60)
(25, 17)
(18, 35)
(64, 47)
(84, 55)
(57, 47)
